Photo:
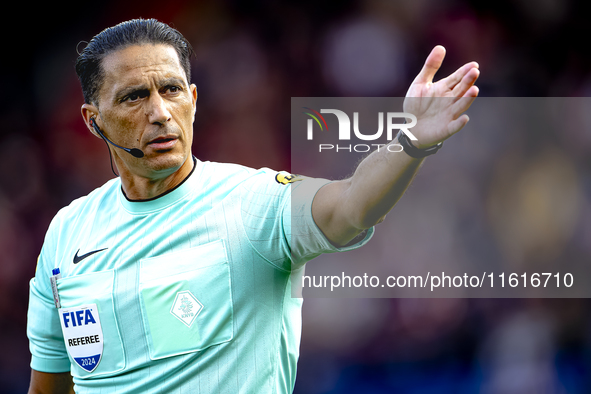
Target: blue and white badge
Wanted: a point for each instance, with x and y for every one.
(83, 335)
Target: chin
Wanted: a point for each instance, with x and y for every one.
(167, 162)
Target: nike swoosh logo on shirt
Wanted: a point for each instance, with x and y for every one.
(78, 259)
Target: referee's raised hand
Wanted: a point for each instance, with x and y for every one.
(440, 106)
(343, 209)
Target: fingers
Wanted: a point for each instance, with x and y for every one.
(431, 65)
(466, 83)
(472, 92)
(458, 124)
(452, 80)
(462, 104)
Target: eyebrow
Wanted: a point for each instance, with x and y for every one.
(120, 94)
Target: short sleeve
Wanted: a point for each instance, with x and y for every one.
(46, 341)
(277, 217)
(263, 199)
(306, 240)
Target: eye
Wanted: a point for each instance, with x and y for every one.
(173, 89)
(135, 96)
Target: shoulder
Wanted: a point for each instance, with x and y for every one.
(231, 170)
(230, 175)
(99, 198)
(70, 219)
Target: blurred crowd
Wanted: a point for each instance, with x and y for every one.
(525, 196)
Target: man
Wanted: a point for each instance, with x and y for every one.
(176, 276)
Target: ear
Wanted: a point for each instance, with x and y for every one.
(89, 112)
(194, 95)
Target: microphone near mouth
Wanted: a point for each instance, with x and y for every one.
(135, 152)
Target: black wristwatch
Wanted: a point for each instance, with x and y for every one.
(412, 151)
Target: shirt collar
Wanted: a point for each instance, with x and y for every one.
(165, 199)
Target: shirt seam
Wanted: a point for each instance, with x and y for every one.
(278, 339)
(254, 248)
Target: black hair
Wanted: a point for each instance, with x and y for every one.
(133, 32)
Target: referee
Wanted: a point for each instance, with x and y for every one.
(176, 276)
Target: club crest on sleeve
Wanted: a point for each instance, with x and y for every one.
(285, 178)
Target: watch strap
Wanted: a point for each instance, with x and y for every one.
(413, 151)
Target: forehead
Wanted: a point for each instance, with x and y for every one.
(138, 63)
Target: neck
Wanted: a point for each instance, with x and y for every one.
(143, 188)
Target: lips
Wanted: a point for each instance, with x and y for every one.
(163, 142)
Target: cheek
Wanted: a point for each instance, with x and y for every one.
(124, 125)
(186, 117)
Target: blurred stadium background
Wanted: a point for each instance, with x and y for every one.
(252, 57)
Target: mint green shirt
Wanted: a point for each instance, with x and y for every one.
(193, 288)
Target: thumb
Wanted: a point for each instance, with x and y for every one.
(431, 66)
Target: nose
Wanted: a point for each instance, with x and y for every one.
(157, 110)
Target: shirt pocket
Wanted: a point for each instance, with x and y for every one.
(186, 300)
(95, 288)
